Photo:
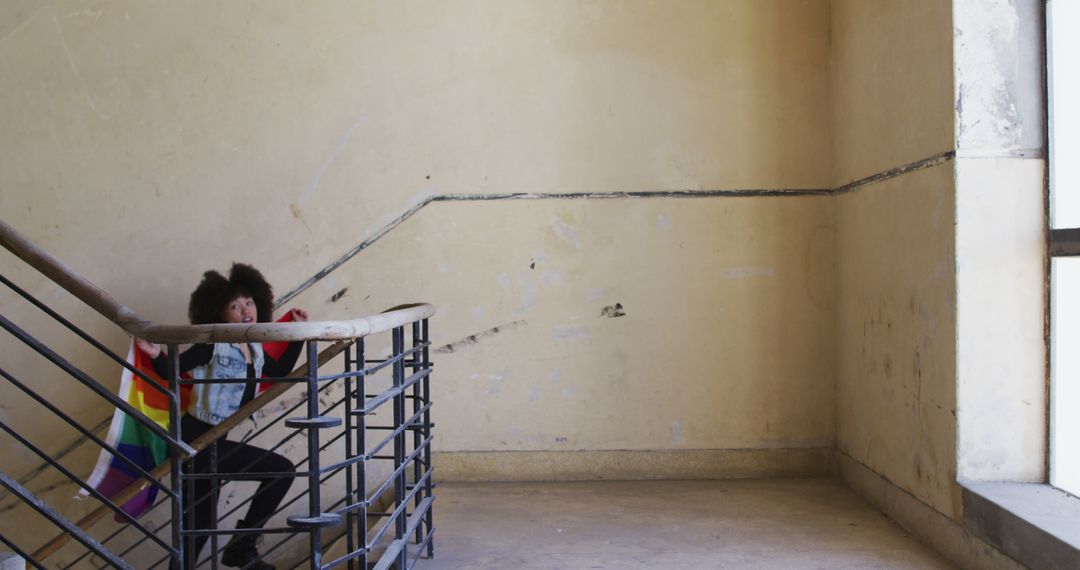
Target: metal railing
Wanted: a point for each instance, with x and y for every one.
(368, 479)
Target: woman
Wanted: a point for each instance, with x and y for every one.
(245, 297)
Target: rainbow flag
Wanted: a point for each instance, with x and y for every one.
(133, 440)
(137, 443)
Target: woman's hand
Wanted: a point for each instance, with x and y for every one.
(150, 349)
(299, 315)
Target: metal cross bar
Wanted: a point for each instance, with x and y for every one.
(54, 517)
(93, 385)
(82, 334)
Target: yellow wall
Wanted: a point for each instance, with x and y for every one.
(896, 335)
(145, 142)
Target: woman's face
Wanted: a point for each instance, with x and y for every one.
(240, 310)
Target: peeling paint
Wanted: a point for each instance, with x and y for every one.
(613, 311)
(566, 232)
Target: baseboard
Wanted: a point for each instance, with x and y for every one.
(455, 466)
(929, 526)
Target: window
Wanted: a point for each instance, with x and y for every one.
(1063, 49)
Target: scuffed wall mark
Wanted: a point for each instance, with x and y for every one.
(299, 215)
(936, 160)
(613, 311)
(475, 338)
(78, 74)
(744, 272)
(504, 281)
(564, 332)
(532, 264)
(566, 232)
(663, 222)
(334, 153)
(677, 437)
(555, 376)
(569, 392)
(337, 296)
(596, 294)
(560, 440)
(534, 394)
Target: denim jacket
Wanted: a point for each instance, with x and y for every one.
(215, 402)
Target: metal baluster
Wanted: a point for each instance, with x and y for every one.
(350, 496)
(361, 448)
(399, 444)
(415, 429)
(175, 463)
(314, 496)
(215, 486)
(429, 516)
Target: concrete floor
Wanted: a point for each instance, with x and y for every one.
(785, 523)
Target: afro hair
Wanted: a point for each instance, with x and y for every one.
(209, 298)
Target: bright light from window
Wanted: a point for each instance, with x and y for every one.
(1065, 396)
(1063, 43)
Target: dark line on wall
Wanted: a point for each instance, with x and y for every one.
(930, 162)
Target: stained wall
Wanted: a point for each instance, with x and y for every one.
(896, 316)
(145, 142)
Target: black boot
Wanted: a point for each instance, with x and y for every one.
(240, 552)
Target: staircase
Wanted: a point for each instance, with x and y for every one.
(365, 492)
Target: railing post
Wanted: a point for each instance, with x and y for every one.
(417, 432)
(314, 495)
(399, 443)
(316, 519)
(428, 484)
(350, 495)
(175, 462)
(361, 449)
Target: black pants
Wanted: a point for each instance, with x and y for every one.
(232, 457)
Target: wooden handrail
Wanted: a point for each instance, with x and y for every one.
(126, 318)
